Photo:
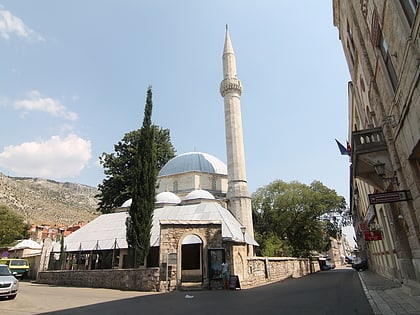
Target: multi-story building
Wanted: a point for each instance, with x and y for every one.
(381, 43)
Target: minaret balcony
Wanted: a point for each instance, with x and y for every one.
(230, 85)
(369, 147)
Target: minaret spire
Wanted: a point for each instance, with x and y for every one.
(239, 200)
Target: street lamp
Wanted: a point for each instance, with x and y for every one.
(243, 229)
(380, 171)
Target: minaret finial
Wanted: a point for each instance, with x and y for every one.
(226, 27)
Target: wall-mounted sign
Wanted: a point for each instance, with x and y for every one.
(370, 215)
(390, 196)
(172, 259)
(374, 235)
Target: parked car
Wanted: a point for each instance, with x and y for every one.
(9, 285)
(359, 264)
(349, 260)
(327, 266)
(18, 267)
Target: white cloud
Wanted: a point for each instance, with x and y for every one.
(45, 104)
(54, 158)
(12, 25)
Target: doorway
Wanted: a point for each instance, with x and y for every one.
(192, 259)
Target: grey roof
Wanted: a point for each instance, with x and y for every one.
(109, 230)
(194, 161)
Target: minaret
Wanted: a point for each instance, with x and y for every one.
(238, 197)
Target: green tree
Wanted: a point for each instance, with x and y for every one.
(116, 188)
(12, 227)
(139, 222)
(294, 219)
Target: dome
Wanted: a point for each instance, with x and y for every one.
(194, 161)
(199, 194)
(167, 198)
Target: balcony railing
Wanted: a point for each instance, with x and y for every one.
(369, 140)
(369, 147)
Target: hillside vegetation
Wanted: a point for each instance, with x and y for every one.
(43, 201)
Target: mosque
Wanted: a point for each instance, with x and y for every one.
(202, 216)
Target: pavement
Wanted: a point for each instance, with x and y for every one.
(387, 297)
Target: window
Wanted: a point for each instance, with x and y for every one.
(383, 46)
(375, 30)
(213, 184)
(409, 7)
(216, 258)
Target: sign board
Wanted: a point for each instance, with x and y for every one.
(234, 283)
(390, 196)
(172, 259)
(374, 235)
(370, 215)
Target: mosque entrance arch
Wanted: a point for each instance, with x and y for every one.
(192, 259)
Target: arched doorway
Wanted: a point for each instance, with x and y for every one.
(192, 259)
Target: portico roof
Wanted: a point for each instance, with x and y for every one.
(108, 231)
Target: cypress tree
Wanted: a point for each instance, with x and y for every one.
(139, 221)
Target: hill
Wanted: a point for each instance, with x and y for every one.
(43, 201)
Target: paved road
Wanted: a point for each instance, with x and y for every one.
(328, 292)
(39, 298)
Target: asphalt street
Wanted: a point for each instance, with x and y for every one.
(327, 292)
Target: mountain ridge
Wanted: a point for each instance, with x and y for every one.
(45, 201)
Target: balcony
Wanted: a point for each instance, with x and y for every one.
(369, 147)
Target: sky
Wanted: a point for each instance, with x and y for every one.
(74, 76)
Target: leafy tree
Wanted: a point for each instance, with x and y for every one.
(294, 219)
(12, 227)
(139, 222)
(116, 188)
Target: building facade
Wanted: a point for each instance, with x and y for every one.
(381, 43)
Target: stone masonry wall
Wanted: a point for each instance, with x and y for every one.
(171, 235)
(260, 271)
(142, 279)
(264, 270)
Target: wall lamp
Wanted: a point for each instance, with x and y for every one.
(380, 170)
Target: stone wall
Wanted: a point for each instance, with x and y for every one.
(142, 279)
(172, 234)
(260, 271)
(264, 270)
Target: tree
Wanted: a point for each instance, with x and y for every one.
(139, 221)
(294, 219)
(12, 227)
(118, 167)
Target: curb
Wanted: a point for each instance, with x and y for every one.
(372, 303)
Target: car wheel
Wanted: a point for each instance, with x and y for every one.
(11, 297)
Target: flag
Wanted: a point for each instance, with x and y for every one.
(342, 148)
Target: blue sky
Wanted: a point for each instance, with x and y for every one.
(74, 75)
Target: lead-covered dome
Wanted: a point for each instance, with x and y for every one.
(167, 197)
(194, 161)
(199, 194)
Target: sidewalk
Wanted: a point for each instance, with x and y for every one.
(387, 297)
